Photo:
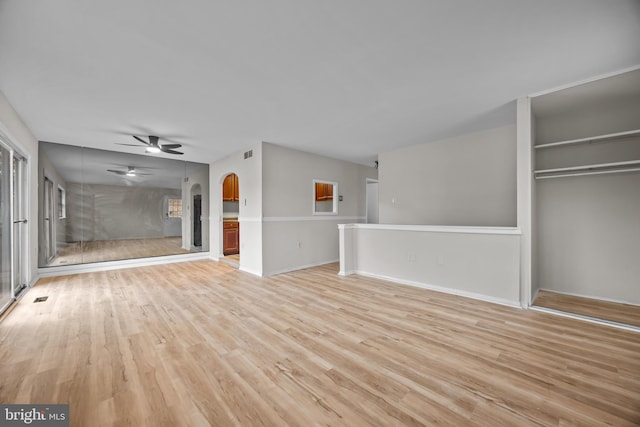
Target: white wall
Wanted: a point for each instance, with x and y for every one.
(469, 180)
(478, 262)
(249, 173)
(21, 138)
(293, 237)
(586, 120)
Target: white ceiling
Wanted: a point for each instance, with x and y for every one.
(342, 78)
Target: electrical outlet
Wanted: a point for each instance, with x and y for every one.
(440, 260)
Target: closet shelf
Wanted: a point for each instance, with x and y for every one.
(602, 168)
(589, 139)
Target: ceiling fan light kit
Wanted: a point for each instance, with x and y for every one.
(153, 146)
(130, 172)
(152, 150)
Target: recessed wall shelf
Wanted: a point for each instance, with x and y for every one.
(597, 138)
(602, 168)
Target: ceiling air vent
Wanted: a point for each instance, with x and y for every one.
(248, 154)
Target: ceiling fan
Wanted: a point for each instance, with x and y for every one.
(153, 146)
(131, 171)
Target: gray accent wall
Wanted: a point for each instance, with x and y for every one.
(105, 212)
(469, 180)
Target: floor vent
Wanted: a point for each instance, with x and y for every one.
(40, 299)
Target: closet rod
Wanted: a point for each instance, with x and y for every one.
(590, 167)
(595, 172)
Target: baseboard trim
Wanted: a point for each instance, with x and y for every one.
(116, 265)
(617, 301)
(250, 271)
(473, 295)
(589, 319)
(300, 267)
(346, 273)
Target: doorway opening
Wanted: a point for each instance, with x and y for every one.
(372, 201)
(196, 216)
(49, 220)
(230, 223)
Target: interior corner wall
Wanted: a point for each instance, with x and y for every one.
(468, 180)
(19, 134)
(293, 237)
(249, 173)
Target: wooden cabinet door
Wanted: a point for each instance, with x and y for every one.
(328, 191)
(231, 238)
(236, 188)
(320, 189)
(231, 189)
(324, 191)
(228, 188)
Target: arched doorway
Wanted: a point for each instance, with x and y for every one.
(230, 223)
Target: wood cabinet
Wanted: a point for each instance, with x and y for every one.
(231, 238)
(231, 189)
(324, 191)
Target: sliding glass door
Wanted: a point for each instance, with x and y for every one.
(19, 224)
(12, 225)
(6, 291)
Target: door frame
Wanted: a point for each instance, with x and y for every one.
(366, 204)
(48, 203)
(19, 250)
(22, 260)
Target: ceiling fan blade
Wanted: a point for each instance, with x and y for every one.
(166, 150)
(171, 146)
(128, 145)
(141, 140)
(118, 172)
(148, 174)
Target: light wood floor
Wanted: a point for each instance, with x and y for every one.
(112, 250)
(605, 310)
(201, 343)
